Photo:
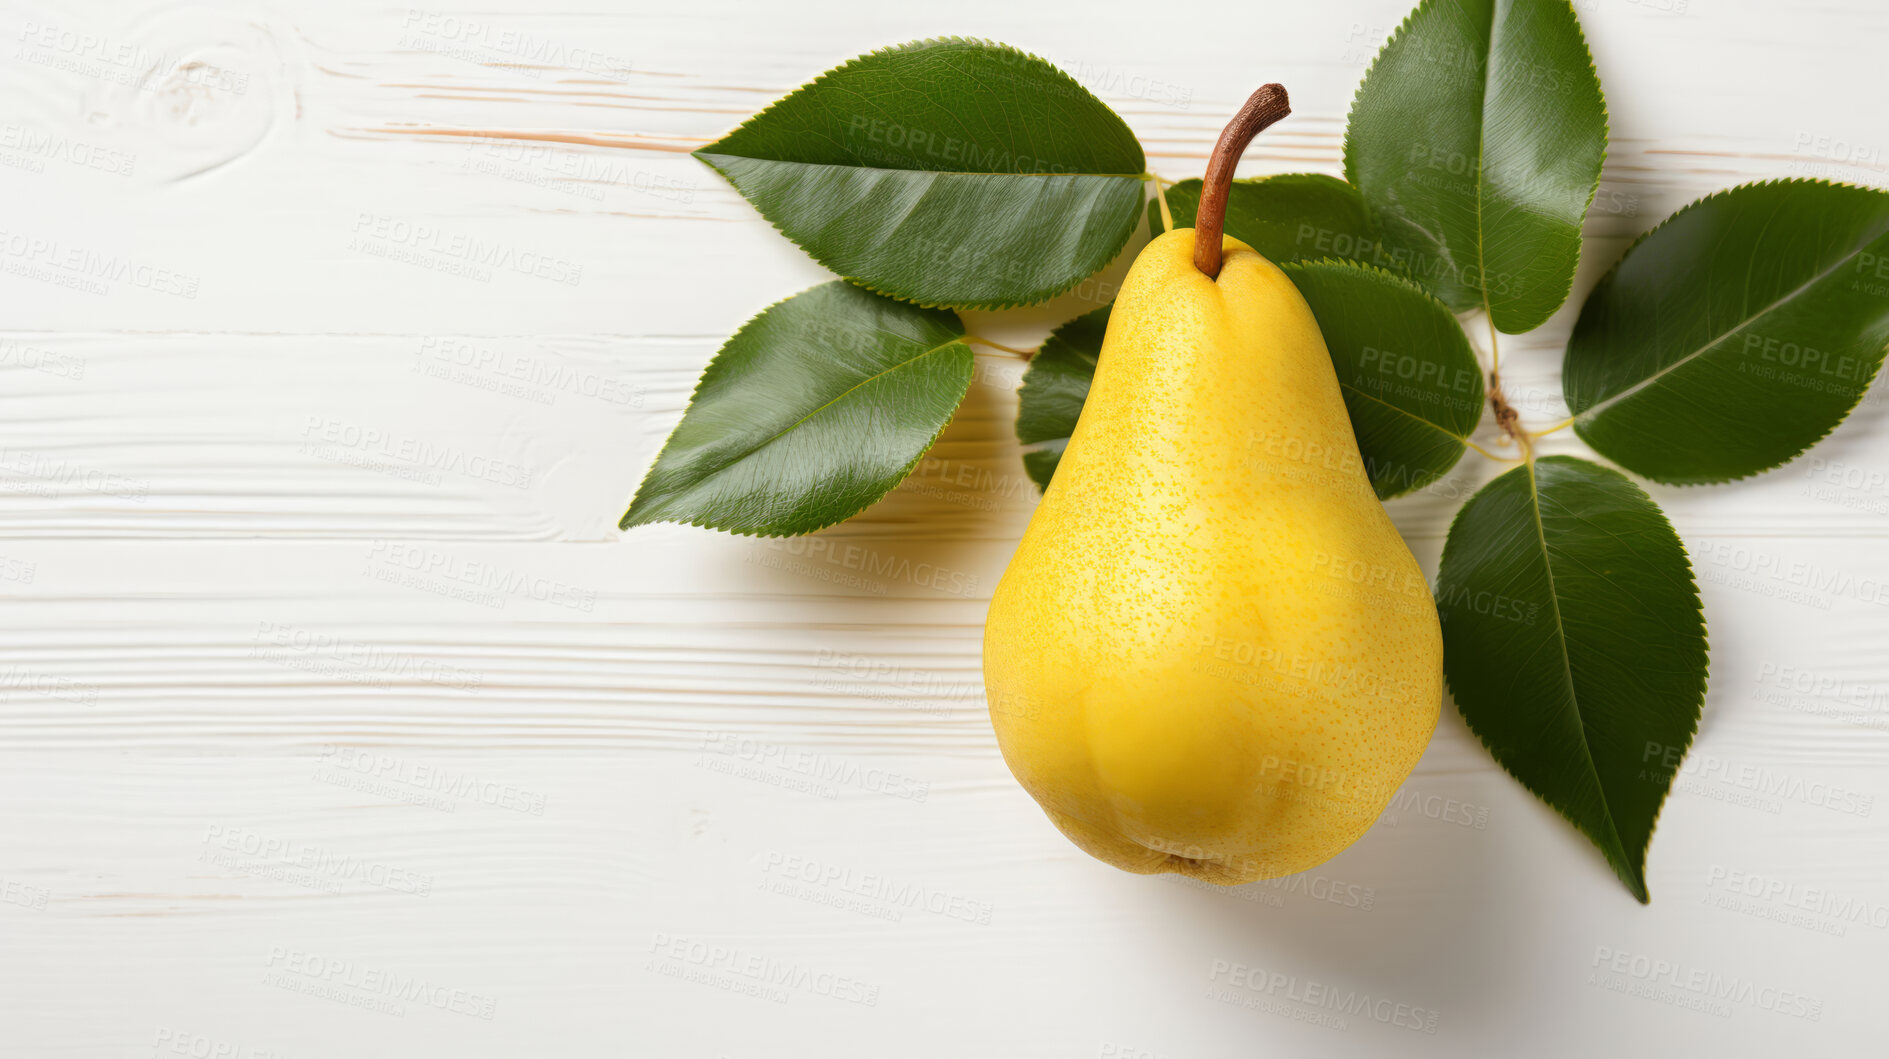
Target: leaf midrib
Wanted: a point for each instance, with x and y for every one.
(1567, 668)
(1482, 142)
(796, 424)
(1438, 427)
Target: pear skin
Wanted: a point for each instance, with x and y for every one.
(1212, 653)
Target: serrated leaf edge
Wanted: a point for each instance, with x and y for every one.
(625, 523)
(913, 45)
(1030, 447)
(1035, 297)
(1462, 447)
(1600, 164)
(1606, 280)
(1606, 136)
(1153, 206)
(1640, 891)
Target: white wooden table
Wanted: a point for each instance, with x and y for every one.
(339, 720)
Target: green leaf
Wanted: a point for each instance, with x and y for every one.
(946, 172)
(1736, 334)
(1476, 140)
(1404, 366)
(1054, 387)
(1574, 645)
(1409, 378)
(1289, 217)
(813, 410)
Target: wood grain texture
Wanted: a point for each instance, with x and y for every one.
(337, 720)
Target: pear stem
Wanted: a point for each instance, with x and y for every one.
(1262, 108)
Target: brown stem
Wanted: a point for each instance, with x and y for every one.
(1262, 108)
(1505, 415)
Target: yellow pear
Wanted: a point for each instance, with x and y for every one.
(1212, 653)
